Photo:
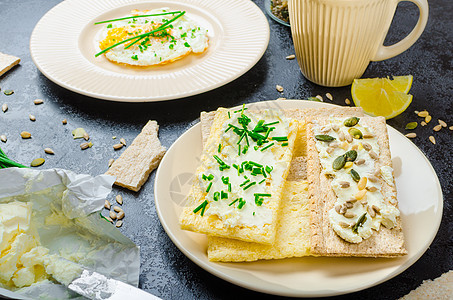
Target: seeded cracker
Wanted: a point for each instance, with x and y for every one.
(135, 164)
(7, 62)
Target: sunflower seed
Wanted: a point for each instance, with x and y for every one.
(329, 96)
(349, 215)
(37, 162)
(120, 215)
(320, 98)
(368, 135)
(49, 151)
(38, 101)
(117, 209)
(118, 146)
(114, 137)
(373, 154)
(86, 136)
(360, 162)
(119, 199)
(355, 147)
(423, 114)
(341, 136)
(338, 208)
(432, 139)
(362, 183)
(3, 138)
(344, 225)
(344, 184)
(5, 107)
(123, 141)
(111, 161)
(375, 208)
(428, 119)
(366, 146)
(25, 134)
(119, 224)
(107, 204)
(279, 88)
(109, 219)
(411, 135)
(371, 212)
(348, 137)
(335, 127)
(348, 205)
(347, 101)
(451, 127)
(416, 112)
(360, 194)
(442, 123)
(372, 188)
(330, 149)
(32, 118)
(373, 178)
(292, 56)
(86, 145)
(348, 164)
(64, 121)
(112, 215)
(343, 209)
(423, 123)
(437, 127)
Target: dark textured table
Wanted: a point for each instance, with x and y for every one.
(166, 272)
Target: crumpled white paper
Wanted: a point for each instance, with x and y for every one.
(88, 239)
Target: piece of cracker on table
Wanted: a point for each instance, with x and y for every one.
(133, 167)
(7, 62)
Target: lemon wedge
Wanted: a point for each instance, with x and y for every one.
(382, 96)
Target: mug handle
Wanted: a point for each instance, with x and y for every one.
(386, 52)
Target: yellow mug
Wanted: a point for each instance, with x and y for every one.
(335, 40)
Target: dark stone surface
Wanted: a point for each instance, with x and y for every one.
(166, 272)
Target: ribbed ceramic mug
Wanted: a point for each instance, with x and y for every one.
(335, 40)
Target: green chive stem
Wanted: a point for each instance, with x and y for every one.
(141, 16)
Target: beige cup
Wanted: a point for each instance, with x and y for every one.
(335, 40)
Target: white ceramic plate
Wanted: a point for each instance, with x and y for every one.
(420, 202)
(63, 46)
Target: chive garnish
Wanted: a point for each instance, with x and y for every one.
(133, 17)
(248, 186)
(239, 150)
(269, 169)
(210, 177)
(270, 145)
(6, 162)
(203, 209)
(229, 187)
(262, 181)
(229, 116)
(259, 201)
(255, 164)
(223, 195)
(241, 203)
(273, 123)
(200, 206)
(242, 110)
(244, 183)
(280, 138)
(284, 144)
(220, 148)
(209, 187)
(216, 196)
(245, 149)
(225, 180)
(234, 201)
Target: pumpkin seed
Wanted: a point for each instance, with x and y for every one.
(411, 135)
(119, 224)
(351, 155)
(349, 122)
(360, 162)
(120, 215)
(339, 162)
(349, 215)
(373, 154)
(324, 137)
(3, 138)
(279, 88)
(355, 175)
(292, 56)
(37, 162)
(111, 161)
(8, 92)
(4, 107)
(123, 141)
(359, 223)
(437, 127)
(411, 125)
(32, 118)
(112, 215)
(344, 184)
(362, 183)
(64, 121)
(355, 133)
(49, 151)
(432, 139)
(423, 114)
(78, 133)
(38, 101)
(442, 123)
(107, 204)
(119, 199)
(25, 134)
(371, 212)
(118, 146)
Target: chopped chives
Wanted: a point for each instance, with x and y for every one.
(262, 181)
(234, 201)
(220, 148)
(242, 109)
(253, 213)
(280, 138)
(273, 123)
(241, 203)
(268, 146)
(229, 116)
(248, 186)
(267, 133)
(258, 201)
(223, 195)
(225, 180)
(220, 161)
(284, 144)
(242, 136)
(244, 183)
(269, 169)
(229, 187)
(203, 209)
(262, 195)
(239, 150)
(133, 17)
(209, 187)
(256, 164)
(200, 206)
(245, 149)
(216, 196)
(210, 177)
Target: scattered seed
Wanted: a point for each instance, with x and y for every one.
(344, 146)
(360, 194)
(341, 136)
(123, 141)
(344, 225)
(355, 175)
(423, 123)
(32, 118)
(360, 162)
(347, 101)
(372, 188)
(109, 219)
(432, 139)
(119, 199)
(324, 137)
(362, 183)
(279, 88)
(348, 164)
(368, 135)
(107, 204)
(375, 208)
(366, 146)
(86, 145)
(49, 151)
(329, 96)
(119, 224)
(428, 119)
(281, 98)
(4, 107)
(348, 137)
(330, 149)
(111, 161)
(78, 133)
(416, 112)
(38, 101)
(112, 215)
(86, 136)
(371, 212)
(377, 172)
(339, 162)
(373, 178)
(451, 127)
(348, 205)
(437, 127)
(118, 146)
(117, 209)
(64, 121)
(320, 98)
(355, 133)
(343, 210)
(25, 134)
(37, 162)
(411, 135)
(3, 138)
(351, 155)
(335, 127)
(114, 137)
(344, 184)
(120, 215)
(338, 208)
(292, 56)
(8, 92)
(411, 125)
(423, 114)
(373, 154)
(349, 215)
(442, 123)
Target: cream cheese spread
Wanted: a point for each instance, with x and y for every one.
(248, 168)
(349, 156)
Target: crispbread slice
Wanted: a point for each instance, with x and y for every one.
(134, 165)
(292, 238)
(212, 224)
(7, 62)
(324, 241)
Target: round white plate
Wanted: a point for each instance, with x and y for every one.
(63, 45)
(420, 203)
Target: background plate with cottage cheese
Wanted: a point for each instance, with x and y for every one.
(420, 202)
(64, 42)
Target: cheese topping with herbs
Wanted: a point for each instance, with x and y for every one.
(248, 168)
(348, 151)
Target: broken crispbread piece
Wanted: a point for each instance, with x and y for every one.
(233, 183)
(339, 208)
(7, 62)
(134, 165)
